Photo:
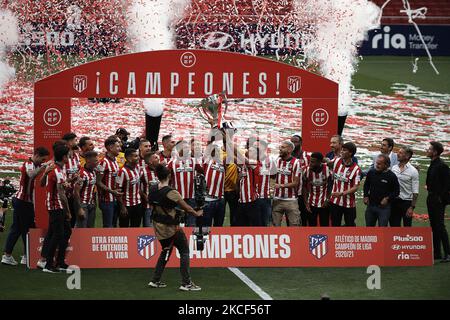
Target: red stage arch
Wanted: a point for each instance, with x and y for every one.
(182, 74)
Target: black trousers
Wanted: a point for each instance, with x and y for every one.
(73, 207)
(303, 212)
(133, 218)
(399, 208)
(336, 215)
(59, 232)
(322, 213)
(179, 241)
(23, 220)
(249, 215)
(232, 198)
(436, 211)
(45, 244)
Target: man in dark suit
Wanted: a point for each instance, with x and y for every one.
(438, 186)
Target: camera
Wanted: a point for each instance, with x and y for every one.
(127, 144)
(123, 134)
(134, 144)
(158, 197)
(199, 191)
(200, 232)
(6, 192)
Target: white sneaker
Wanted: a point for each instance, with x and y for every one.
(50, 270)
(23, 260)
(157, 284)
(41, 264)
(190, 287)
(9, 260)
(64, 268)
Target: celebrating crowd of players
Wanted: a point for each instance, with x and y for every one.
(302, 188)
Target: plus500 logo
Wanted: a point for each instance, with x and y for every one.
(408, 238)
(51, 38)
(30, 36)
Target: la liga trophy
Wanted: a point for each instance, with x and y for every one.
(213, 109)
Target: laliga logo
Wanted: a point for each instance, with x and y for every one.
(216, 41)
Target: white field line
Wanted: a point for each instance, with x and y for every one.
(260, 292)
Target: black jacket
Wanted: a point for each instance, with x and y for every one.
(379, 185)
(438, 180)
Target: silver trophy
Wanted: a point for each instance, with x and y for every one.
(213, 109)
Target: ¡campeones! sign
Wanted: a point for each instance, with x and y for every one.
(183, 74)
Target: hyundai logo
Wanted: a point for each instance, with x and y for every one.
(395, 247)
(216, 40)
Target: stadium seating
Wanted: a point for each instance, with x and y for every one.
(103, 22)
(249, 11)
(438, 11)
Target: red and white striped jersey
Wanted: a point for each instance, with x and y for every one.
(215, 178)
(128, 181)
(72, 166)
(286, 171)
(109, 168)
(148, 177)
(305, 159)
(141, 164)
(345, 178)
(26, 185)
(317, 183)
(183, 172)
(163, 159)
(54, 177)
(87, 191)
(267, 167)
(248, 177)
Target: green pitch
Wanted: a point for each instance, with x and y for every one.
(375, 73)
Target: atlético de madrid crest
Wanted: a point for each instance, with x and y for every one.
(318, 245)
(146, 246)
(294, 83)
(80, 83)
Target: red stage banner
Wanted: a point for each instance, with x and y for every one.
(250, 247)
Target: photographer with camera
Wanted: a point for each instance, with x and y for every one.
(166, 223)
(6, 192)
(123, 134)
